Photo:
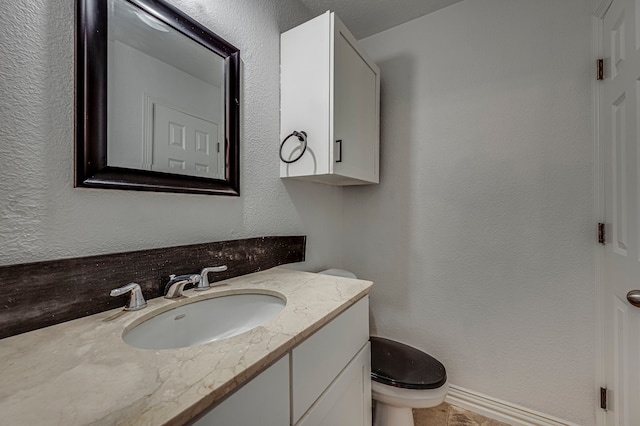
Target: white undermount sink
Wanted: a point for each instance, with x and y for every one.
(204, 321)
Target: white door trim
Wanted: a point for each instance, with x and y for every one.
(599, 209)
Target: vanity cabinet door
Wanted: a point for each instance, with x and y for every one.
(263, 401)
(347, 401)
(330, 89)
(317, 361)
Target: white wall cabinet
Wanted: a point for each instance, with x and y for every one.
(330, 89)
(330, 381)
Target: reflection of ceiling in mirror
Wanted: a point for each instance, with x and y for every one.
(134, 27)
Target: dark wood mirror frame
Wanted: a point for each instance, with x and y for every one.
(91, 105)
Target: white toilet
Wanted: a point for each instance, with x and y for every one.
(402, 377)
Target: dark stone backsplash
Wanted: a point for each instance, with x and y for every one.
(36, 295)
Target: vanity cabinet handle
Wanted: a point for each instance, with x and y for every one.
(339, 160)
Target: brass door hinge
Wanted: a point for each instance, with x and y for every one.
(600, 69)
(602, 238)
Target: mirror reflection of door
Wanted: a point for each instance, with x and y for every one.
(184, 144)
(165, 98)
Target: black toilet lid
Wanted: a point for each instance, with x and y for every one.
(396, 364)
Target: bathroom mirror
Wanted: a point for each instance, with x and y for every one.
(157, 100)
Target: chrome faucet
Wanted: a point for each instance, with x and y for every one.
(173, 289)
(136, 300)
(204, 277)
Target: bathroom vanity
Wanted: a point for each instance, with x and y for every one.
(329, 375)
(306, 365)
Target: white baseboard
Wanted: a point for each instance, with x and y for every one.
(500, 410)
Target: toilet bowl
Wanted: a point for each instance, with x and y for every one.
(402, 377)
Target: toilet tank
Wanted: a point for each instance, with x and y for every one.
(338, 273)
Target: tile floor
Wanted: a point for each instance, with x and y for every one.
(450, 415)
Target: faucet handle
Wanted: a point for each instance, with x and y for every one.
(204, 277)
(173, 289)
(136, 301)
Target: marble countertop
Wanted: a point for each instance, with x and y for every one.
(81, 372)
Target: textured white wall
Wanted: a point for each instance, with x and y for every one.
(480, 236)
(43, 217)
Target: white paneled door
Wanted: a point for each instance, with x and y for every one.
(619, 114)
(185, 144)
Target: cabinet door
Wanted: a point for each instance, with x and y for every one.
(304, 96)
(347, 402)
(263, 401)
(317, 361)
(356, 109)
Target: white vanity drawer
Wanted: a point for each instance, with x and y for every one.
(317, 361)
